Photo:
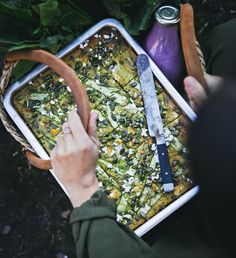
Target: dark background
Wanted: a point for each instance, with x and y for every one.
(34, 211)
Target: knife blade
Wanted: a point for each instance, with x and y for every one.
(154, 120)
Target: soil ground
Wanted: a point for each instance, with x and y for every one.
(34, 211)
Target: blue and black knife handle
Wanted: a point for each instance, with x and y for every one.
(166, 173)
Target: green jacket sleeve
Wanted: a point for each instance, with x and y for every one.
(97, 234)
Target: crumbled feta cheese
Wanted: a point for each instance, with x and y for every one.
(144, 132)
(109, 165)
(118, 147)
(127, 189)
(99, 57)
(61, 79)
(131, 181)
(104, 149)
(153, 147)
(135, 95)
(120, 99)
(43, 112)
(127, 216)
(52, 102)
(168, 136)
(68, 88)
(97, 81)
(132, 107)
(118, 217)
(96, 36)
(106, 36)
(130, 172)
(145, 209)
(30, 82)
(155, 178)
(131, 151)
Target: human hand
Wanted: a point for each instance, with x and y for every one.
(195, 91)
(74, 158)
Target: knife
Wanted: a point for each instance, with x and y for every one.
(154, 120)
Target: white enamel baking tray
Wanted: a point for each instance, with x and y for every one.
(163, 80)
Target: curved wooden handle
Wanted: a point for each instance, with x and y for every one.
(71, 79)
(36, 161)
(188, 38)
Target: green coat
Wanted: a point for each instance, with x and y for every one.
(97, 234)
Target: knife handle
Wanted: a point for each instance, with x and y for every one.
(166, 173)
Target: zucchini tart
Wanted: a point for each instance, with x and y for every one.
(128, 167)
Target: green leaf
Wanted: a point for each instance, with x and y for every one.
(152, 2)
(126, 20)
(142, 21)
(51, 43)
(22, 68)
(73, 17)
(113, 8)
(49, 12)
(15, 12)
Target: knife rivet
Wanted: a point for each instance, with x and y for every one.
(166, 173)
(163, 154)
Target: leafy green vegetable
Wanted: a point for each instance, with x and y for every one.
(48, 24)
(49, 12)
(124, 10)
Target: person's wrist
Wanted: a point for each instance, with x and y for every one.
(80, 193)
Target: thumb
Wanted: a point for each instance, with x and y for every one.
(195, 92)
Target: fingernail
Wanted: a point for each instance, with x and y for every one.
(190, 82)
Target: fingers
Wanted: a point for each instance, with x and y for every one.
(59, 148)
(195, 92)
(92, 127)
(76, 126)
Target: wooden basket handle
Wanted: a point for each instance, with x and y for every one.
(189, 44)
(71, 79)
